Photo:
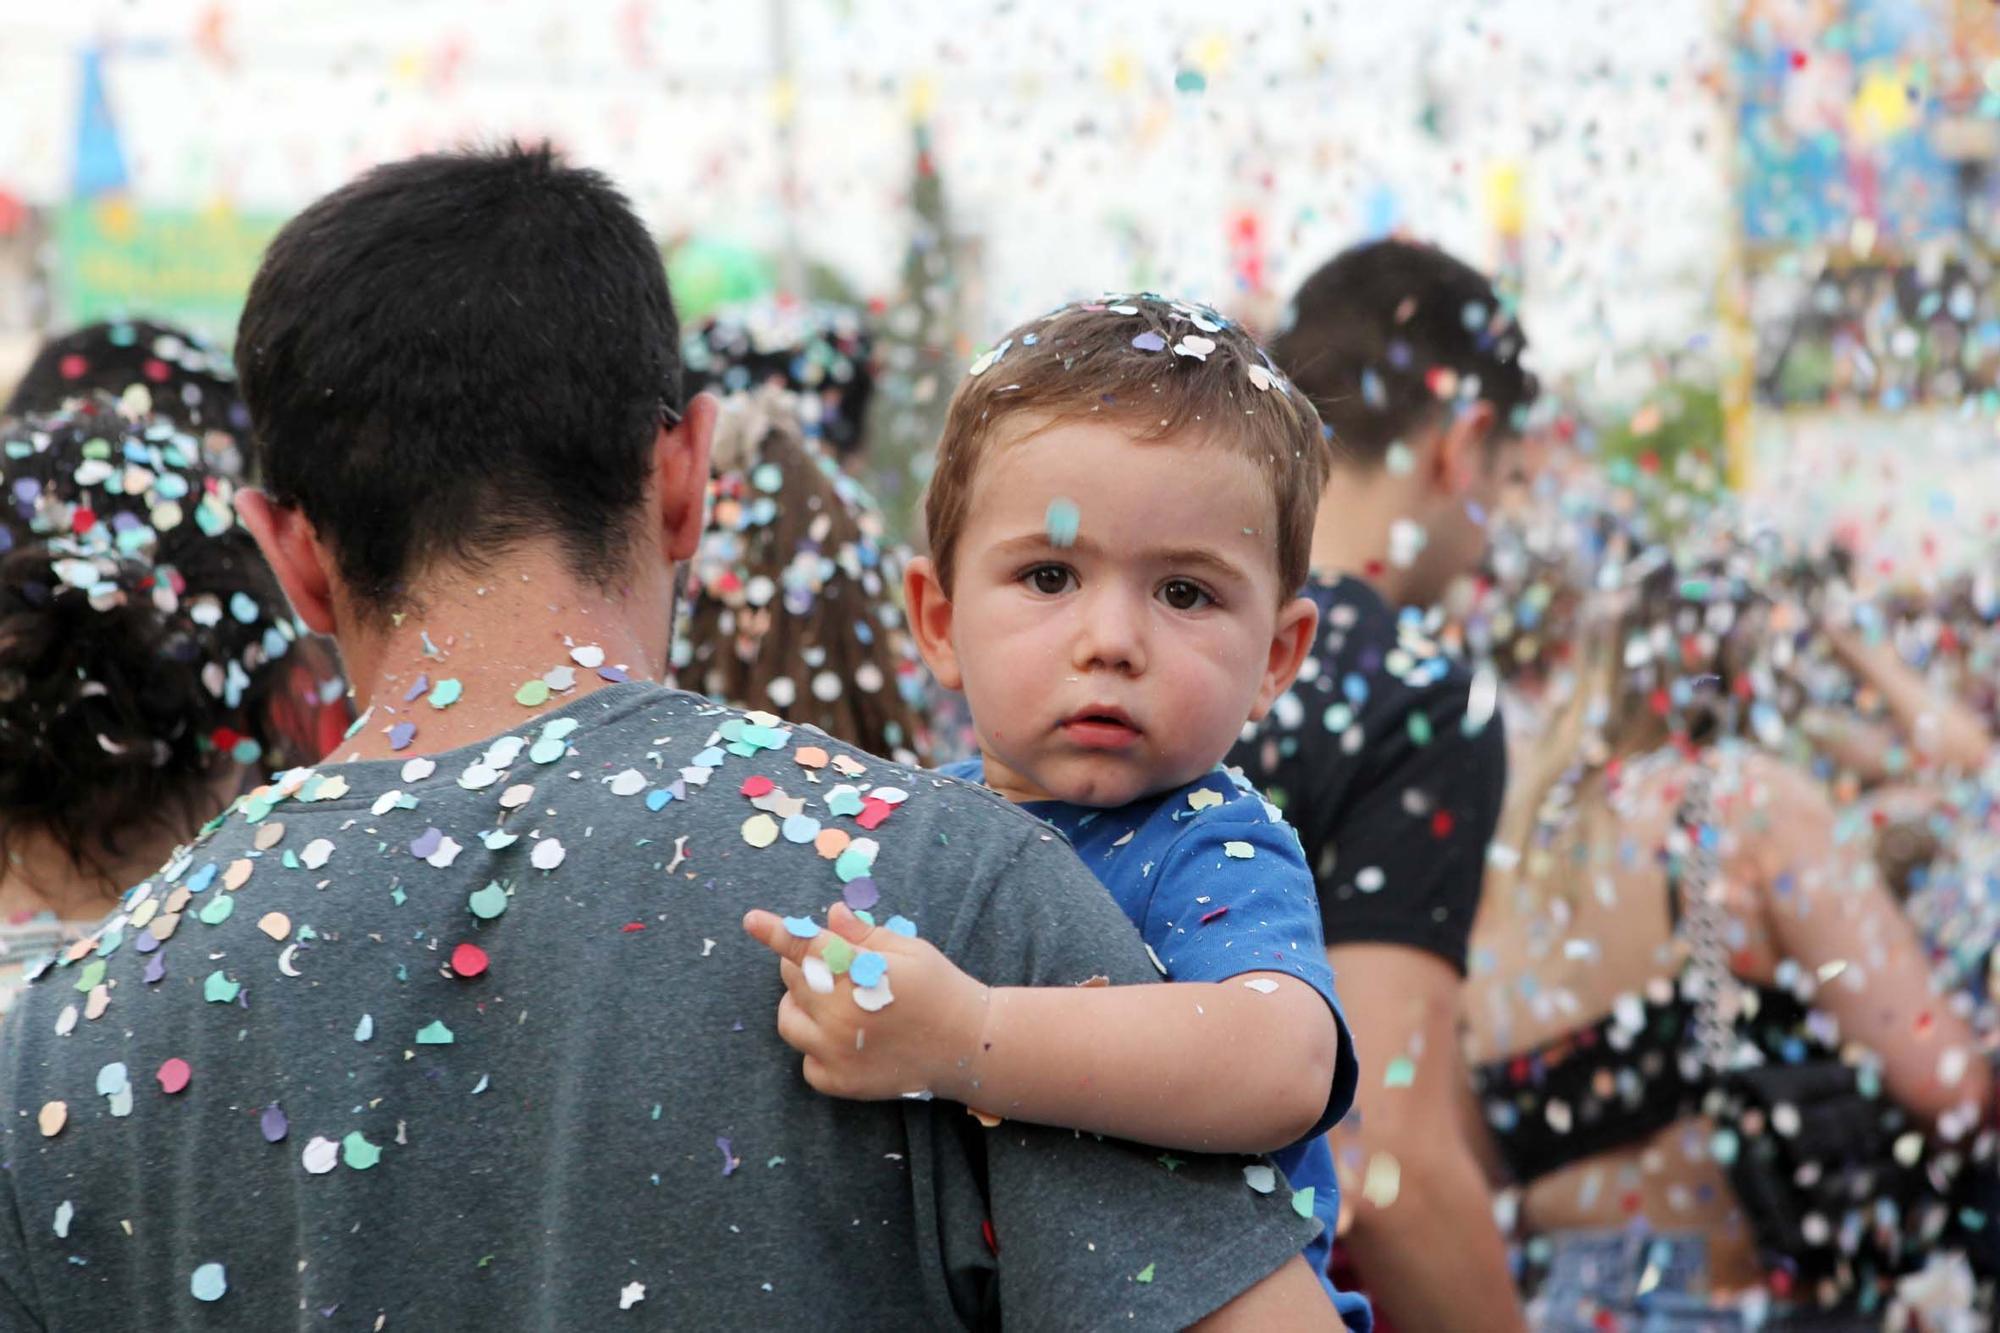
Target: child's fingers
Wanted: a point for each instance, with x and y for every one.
(768, 929)
(840, 919)
(794, 977)
(796, 1027)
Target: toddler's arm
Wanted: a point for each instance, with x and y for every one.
(1244, 1065)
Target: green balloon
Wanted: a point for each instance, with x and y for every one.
(706, 273)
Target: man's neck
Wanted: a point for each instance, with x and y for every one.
(1357, 514)
(510, 642)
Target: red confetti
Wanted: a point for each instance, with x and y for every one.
(174, 1075)
(1798, 60)
(758, 786)
(82, 520)
(631, 927)
(1207, 917)
(873, 812)
(1442, 824)
(72, 367)
(468, 960)
(986, 1230)
(156, 371)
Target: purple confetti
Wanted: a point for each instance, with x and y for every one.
(156, 969)
(861, 894)
(417, 690)
(1150, 341)
(729, 1162)
(425, 844)
(402, 734)
(274, 1124)
(616, 675)
(145, 944)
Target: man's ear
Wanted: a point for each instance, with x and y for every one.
(1460, 454)
(680, 474)
(1290, 642)
(929, 611)
(304, 566)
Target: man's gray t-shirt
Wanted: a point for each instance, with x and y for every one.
(279, 1091)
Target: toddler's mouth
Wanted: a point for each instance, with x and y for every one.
(1098, 728)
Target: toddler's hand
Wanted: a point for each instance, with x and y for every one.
(923, 1039)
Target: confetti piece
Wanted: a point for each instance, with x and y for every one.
(1145, 1274)
(868, 968)
(488, 902)
(468, 960)
(358, 1152)
(365, 1029)
(1401, 1073)
(1204, 798)
(901, 925)
(401, 735)
(801, 927)
(321, 1155)
(1241, 851)
(1302, 1201)
(65, 1214)
(838, 954)
(810, 756)
(1062, 522)
(1262, 985)
(210, 1283)
(53, 1116)
(819, 978)
(589, 656)
(1261, 1178)
(416, 770)
(216, 910)
(631, 1294)
(875, 998)
(275, 924)
(532, 695)
(861, 894)
(1383, 1180)
(174, 1075)
(628, 783)
(446, 693)
(760, 831)
(219, 989)
(316, 853)
(273, 1124)
(548, 854)
(435, 1033)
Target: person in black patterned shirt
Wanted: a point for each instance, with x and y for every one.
(1390, 758)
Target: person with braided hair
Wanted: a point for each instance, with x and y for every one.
(140, 632)
(1652, 853)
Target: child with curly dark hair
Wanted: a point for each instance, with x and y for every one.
(141, 636)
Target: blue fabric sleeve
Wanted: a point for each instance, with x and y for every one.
(1234, 895)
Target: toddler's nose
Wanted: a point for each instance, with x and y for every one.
(1111, 635)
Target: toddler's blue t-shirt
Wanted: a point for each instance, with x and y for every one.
(1217, 884)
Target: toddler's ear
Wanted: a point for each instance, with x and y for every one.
(929, 610)
(1290, 642)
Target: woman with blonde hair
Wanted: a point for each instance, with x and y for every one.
(1692, 1004)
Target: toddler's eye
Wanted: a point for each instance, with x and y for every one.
(1184, 595)
(1049, 579)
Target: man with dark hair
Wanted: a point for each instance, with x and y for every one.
(460, 1029)
(1387, 756)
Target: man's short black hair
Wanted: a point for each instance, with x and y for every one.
(457, 351)
(1387, 334)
